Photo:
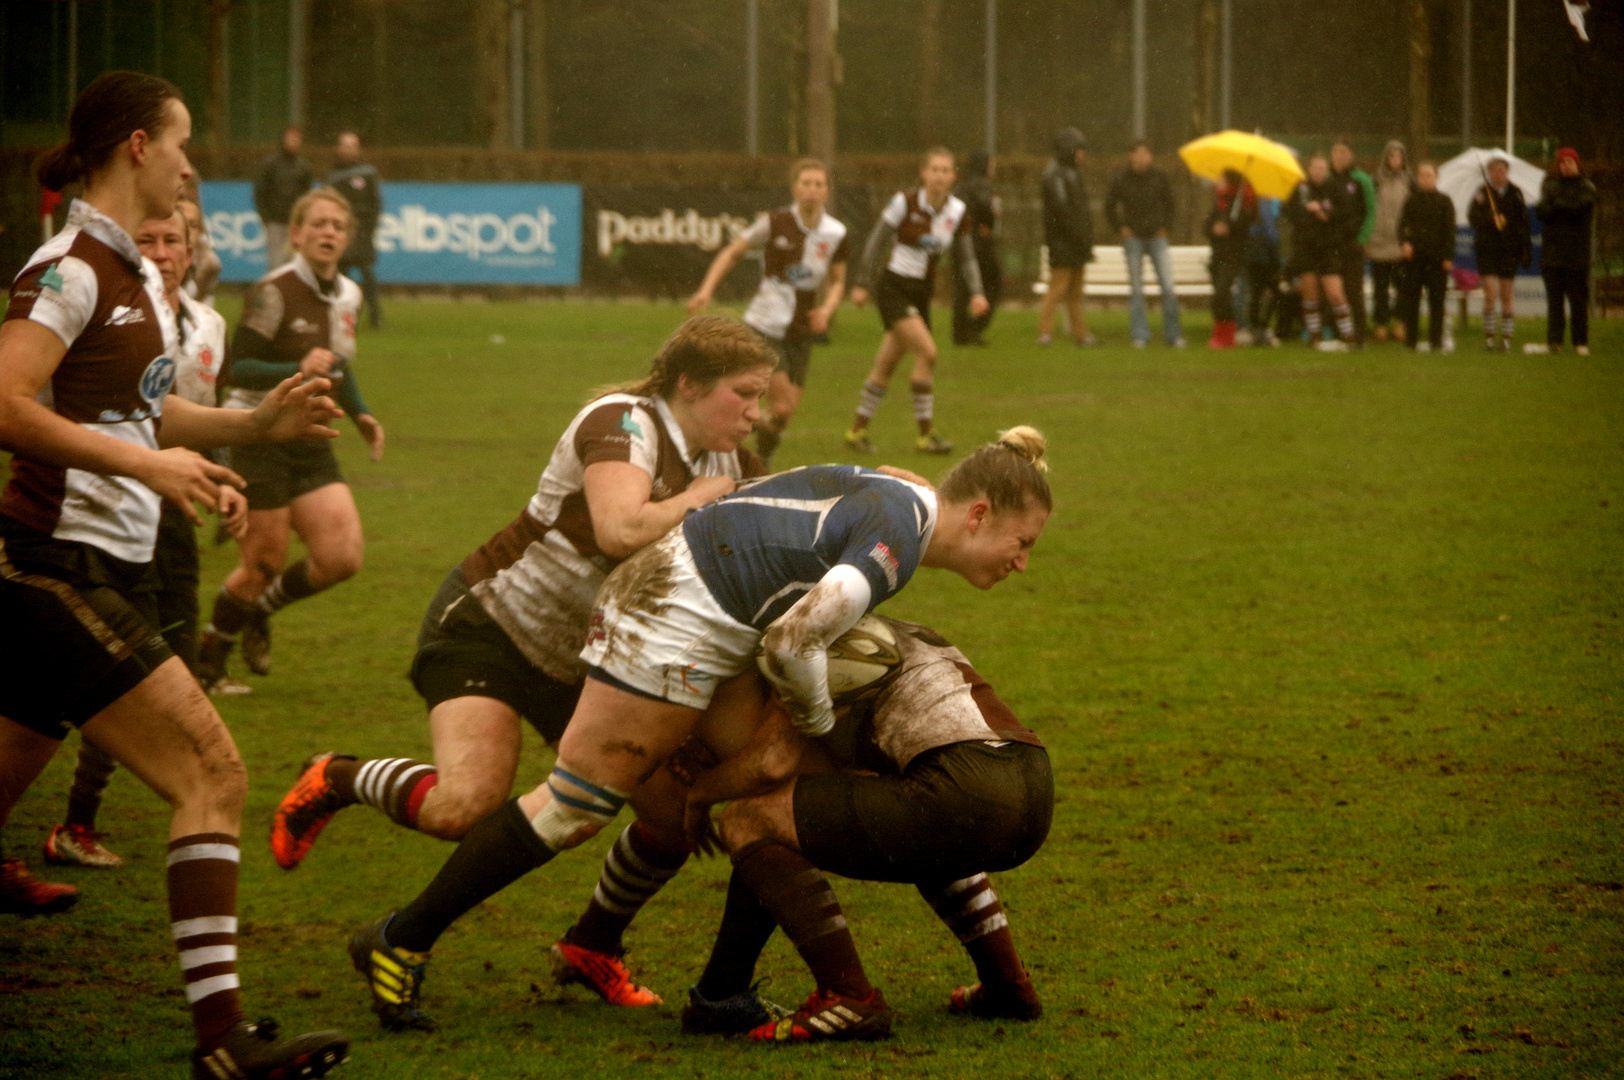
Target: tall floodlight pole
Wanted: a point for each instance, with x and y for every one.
(516, 73)
(1466, 75)
(1139, 69)
(752, 76)
(1225, 54)
(298, 53)
(1511, 77)
(992, 77)
(821, 64)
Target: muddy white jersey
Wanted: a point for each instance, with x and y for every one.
(795, 262)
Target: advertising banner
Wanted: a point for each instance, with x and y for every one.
(432, 234)
(658, 241)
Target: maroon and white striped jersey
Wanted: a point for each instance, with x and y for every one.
(922, 233)
(796, 260)
(91, 287)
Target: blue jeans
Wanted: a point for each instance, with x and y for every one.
(1134, 250)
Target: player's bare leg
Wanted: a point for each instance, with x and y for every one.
(263, 549)
(892, 350)
(916, 338)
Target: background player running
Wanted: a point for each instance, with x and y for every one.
(952, 785)
(89, 331)
(169, 243)
(791, 563)
(298, 320)
(917, 226)
(802, 247)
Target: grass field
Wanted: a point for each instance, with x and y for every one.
(1326, 649)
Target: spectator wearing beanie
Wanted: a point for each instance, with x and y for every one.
(1567, 206)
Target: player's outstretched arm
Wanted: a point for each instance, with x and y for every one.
(773, 755)
(795, 648)
(619, 496)
(824, 312)
(292, 411)
(720, 267)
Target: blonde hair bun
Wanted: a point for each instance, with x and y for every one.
(1027, 442)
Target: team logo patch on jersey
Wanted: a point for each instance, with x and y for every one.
(52, 278)
(158, 378)
(301, 325)
(888, 563)
(126, 316)
(798, 273)
(630, 426)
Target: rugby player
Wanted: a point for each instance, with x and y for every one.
(86, 368)
(788, 563)
(169, 243)
(803, 246)
(298, 320)
(938, 784)
(918, 225)
(1319, 218)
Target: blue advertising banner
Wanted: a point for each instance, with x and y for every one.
(432, 234)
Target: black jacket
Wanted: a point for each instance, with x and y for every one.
(1142, 201)
(1567, 205)
(1428, 224)
(1238, 208)
(1308, 231)
(1068, 221)
(359, 184)
(1490, 241)
(283, 177)
(980, 204)
(1348, 198)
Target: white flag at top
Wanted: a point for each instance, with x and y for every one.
(1576, 16)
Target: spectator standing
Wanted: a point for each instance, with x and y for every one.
(1263, 273)
(1394, 183)
(357, 180)
(283, 177)
(1502, 241)
(1426, 232)
(982, 209)
(1229, 229)
(1567, 206)
(1139, 207)
(1319, 236)
(1355, 200)
(1068, 233)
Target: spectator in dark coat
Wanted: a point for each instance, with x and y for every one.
(1229, 227)
(1503, 241)
(357, 181)
(1426, 235)
(1567, 206)
(1140, 209)
(283, 177)
(981, 212)
(1356, 211)
(1068, 233)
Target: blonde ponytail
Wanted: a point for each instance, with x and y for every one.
(1007, 473)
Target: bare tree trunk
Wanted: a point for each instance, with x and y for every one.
(821, 75)
(219, 106)
(930, 73)
(1206, 69)
(540, 111)
(1420, 133)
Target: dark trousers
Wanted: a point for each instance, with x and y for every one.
(1224, 273)
(1572, 284)
(1431, 277)
(1264, 294)
(966, 330)
(369, 287)
(1388, 280)
(1353, 284)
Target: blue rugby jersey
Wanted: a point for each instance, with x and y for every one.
(762, 548)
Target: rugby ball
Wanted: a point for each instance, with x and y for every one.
(862, 661)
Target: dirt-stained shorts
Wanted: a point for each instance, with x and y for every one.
(657, 630)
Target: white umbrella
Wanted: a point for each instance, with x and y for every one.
(1461, 177)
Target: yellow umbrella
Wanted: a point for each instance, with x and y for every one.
(1271, 168)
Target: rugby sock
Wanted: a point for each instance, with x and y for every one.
(90, 776)
(1344, 321)
(868, 404)
(746, 926)
(1311, 320)
(1491, 325)
(230, 615)
(499, 850)
(924, 405)
(1508, 326)
(397, 786)
(801, 901)
(290, 585)
(203, 920)
(971, 909)
(636, 868)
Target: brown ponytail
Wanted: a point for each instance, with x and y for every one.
(705, 348)
(1007, 473)
(107, 112)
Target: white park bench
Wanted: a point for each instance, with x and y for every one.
(1107, 275)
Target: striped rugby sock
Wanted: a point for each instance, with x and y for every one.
(396, 786)
(868, 403)
(636, 868)
(203, 919)
(1508, 325)
(1311, 320)
(924, 405)
(290, 585)
(971, 909)
(801, 901)
(1344, 321)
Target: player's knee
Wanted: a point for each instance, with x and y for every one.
(220, 780)
(328, 568)
(449, 814)
(740, 824)
(576, 809)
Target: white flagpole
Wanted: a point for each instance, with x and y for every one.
(1511, 77)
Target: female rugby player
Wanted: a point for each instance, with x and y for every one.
(298, 320)
(1320, 221)
(802, 246)
(789, 563)
(86, 366)
(923, 222)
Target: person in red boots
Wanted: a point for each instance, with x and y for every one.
(1228, 225)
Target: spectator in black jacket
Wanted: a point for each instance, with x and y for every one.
(1140, 209)
(981, 211)
(1068, 233)
(1229, 227)
(1503, 241)
(1426, 234)
(357, 181)
(1319, 235)
(1567, 205)
(283, 177)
